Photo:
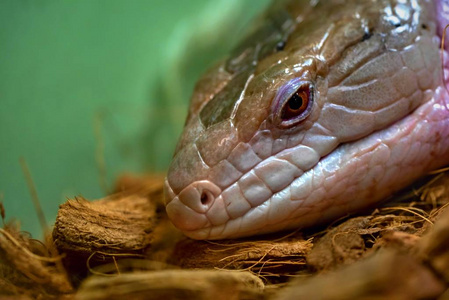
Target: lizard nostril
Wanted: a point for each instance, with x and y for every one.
(206, 198)
(199, 195)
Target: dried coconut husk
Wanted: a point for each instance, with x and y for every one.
(265, 257)
(386, 275)
(421, 272)
(434, 246)
(106, 230)
(173, 284)
(29, 269)
(133, 224)
(112, 227)
(359, 236)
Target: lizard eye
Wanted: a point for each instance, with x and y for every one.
(296, 104)
(293, 103)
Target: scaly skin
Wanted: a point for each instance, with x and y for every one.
(378, 121)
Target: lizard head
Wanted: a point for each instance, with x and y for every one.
(298, 126)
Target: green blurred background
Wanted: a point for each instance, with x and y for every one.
(86, 79)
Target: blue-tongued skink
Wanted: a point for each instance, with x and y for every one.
(328, 107)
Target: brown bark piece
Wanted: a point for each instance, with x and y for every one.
(386, 275)
(434, 246)
(444, 296)
(173, 284)
(342, 244)
(356, 237)
(398, 240)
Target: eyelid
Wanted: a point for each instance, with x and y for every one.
(285, 92)
(282, 96)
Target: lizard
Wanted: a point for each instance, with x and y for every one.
(326, 108)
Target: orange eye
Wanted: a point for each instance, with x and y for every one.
(293, 102)
(296, 104)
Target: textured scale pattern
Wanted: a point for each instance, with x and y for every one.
(380, 121)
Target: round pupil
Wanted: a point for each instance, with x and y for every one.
(295, 102)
